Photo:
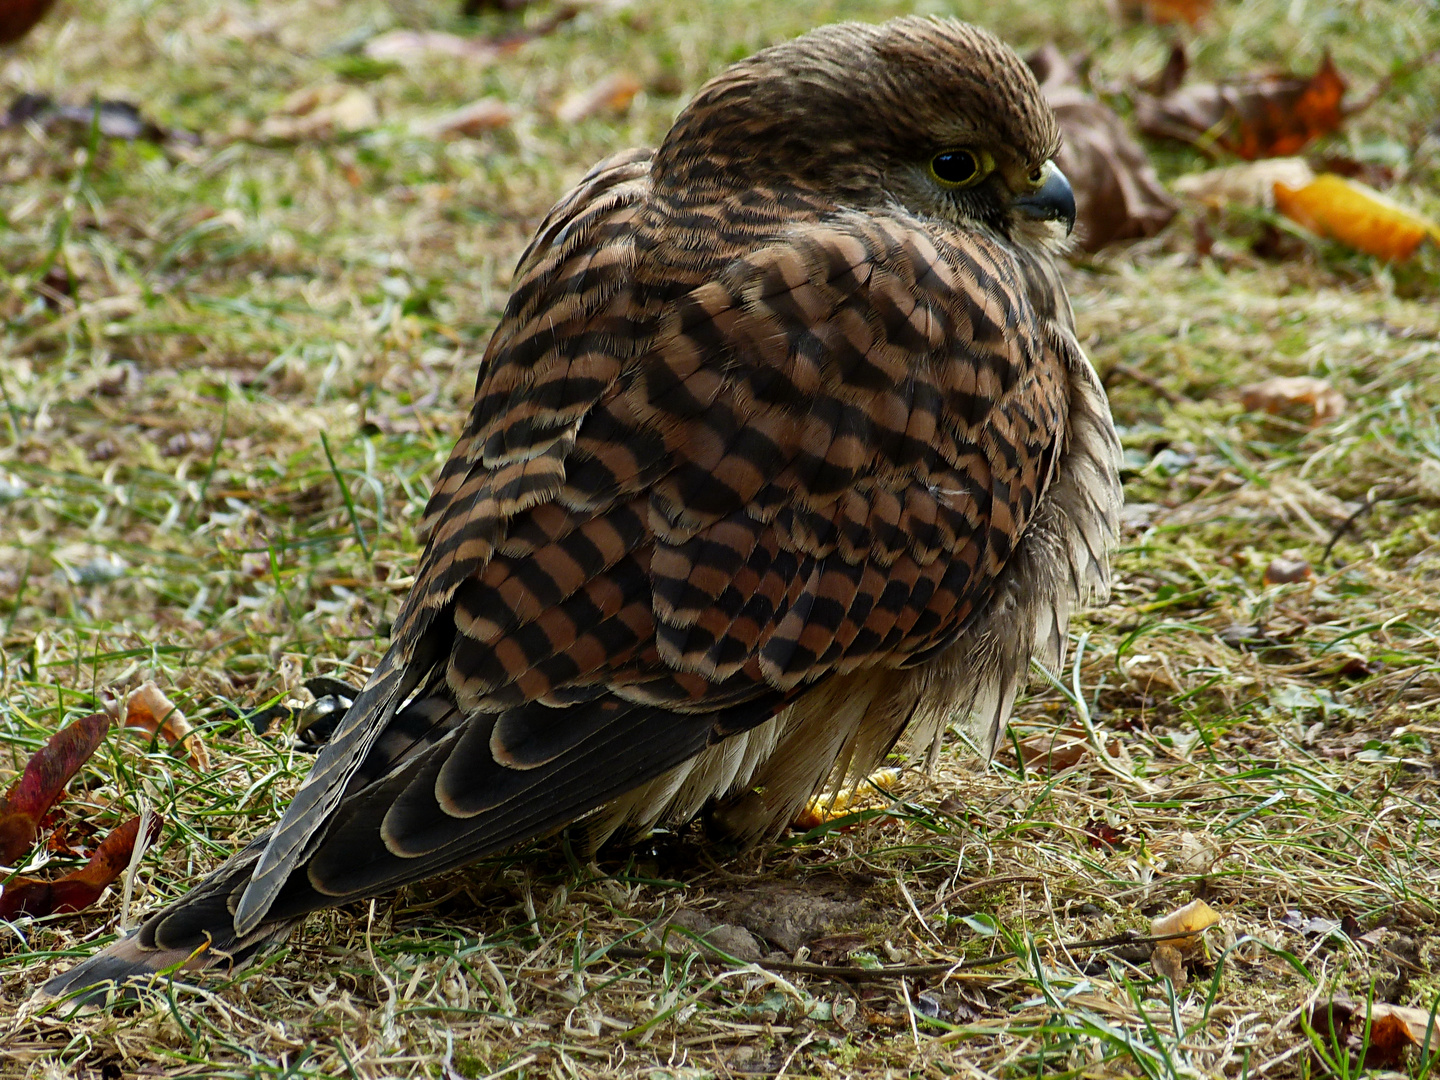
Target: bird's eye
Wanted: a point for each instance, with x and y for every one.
(1036, 175)
(959, 168)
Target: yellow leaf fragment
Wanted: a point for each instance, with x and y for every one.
(150, 710)
(828, 807)
(1281, 394)
(1357, 215)
(1191, 919)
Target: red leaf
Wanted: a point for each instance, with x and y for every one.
(79, 888)
(46, 774)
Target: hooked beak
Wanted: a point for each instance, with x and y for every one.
(1053, 200)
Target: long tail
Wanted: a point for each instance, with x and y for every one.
(194, 933)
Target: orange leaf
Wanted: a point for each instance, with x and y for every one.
(79, 888)
(1256, 117)
(1189, 12)
(1281, 394)
(46, 774)
(1394, 1028)
(1357, 215)
(611, 94)
(150, 710)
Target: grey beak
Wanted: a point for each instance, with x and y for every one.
(1053, 200)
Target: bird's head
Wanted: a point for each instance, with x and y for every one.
(934, 114)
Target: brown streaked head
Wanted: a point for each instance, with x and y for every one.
(935, 114)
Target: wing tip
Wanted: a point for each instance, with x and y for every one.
(123, 969)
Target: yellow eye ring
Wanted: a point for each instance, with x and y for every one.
(960, 168)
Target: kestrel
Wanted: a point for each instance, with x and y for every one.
(784, 445)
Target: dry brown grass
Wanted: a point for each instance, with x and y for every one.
(168, 511)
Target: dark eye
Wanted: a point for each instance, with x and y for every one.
(955, 167)
(1036, 175)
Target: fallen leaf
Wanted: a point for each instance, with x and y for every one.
(1161, 12)
(150, 710)
(1251, 184)
(1255, 117)
(79, 888)
(1191, 920)
(1050, 752)
(113, 119)
(1281, 394)
(1389, 1038)
(1355, 214)
(1102, 835)
(487, 114)
(1331, 1020)
(320, 112)
(1169, 964)
(1118, 195)
(1286, 570)
(1168, 79)
(611, 94)
(828, 807)
(420, 44)
(1393, 1028)
(41, 784)
(18, 17)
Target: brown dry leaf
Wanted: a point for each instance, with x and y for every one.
(1168, 79)
(1048, 753)
(468, 121)
(611, 94)
(401, 45)
(1281, 394)
(1118, 196)
(1169, 964)
(1355, 214)
(1288, 569)
(1253, 183)
(418, 45)
(150, 710)
(43, 781)
(18, 17)
(1191, 919)
(1256, 117)
(79, 888)
(321, 112)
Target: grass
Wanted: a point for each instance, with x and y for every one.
(230, 368)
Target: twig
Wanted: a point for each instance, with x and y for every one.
(1372, 496)
(895, 971)
(1383, 85)
(1119, 367)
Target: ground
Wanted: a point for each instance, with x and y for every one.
(233, 363)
